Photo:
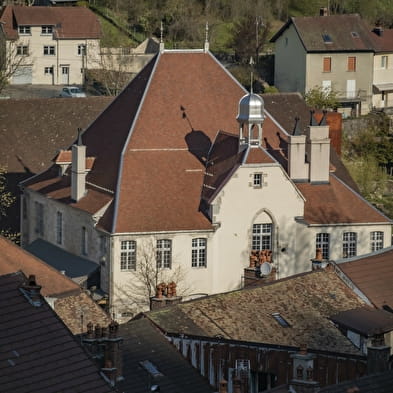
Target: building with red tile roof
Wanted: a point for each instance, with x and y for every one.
(189, 174)
(50, 45)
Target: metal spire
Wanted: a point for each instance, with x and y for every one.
(206, 46)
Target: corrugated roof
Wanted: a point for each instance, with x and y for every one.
(38, 353)
(305, 301)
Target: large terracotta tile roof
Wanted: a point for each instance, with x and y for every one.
(384, 42)
(305, 301)
(339, 28)
(373, 275)
(68, 22)
(38, 353)
(336, 203)
(152, 143)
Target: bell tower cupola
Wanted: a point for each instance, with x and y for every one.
(250, 118)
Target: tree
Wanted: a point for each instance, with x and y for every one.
(322, 98)
(6, 201)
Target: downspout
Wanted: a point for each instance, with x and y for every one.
(57, 60)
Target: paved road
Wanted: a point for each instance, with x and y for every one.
(31, 91)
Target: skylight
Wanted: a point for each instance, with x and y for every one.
(354, 34)
(326, 38)
(277, 316)
(151, 368)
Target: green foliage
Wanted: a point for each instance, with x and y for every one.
(366, 153)
(321, 98)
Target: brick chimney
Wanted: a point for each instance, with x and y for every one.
(78, 169)
(318, 150)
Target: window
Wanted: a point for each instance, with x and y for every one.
(128, 255)
(327, 86)
(351, 63)
(46, 29)
(84, 241)
(349, 244)
(376, 240)
(39, 218)
(49, 50)
(384, 62)
(22, 50)
(81, 50)
(198, 253)
(262, 237)
(257, 180)
(322, 242)
(48, 71)
(327, 64)
(277, 316)
(164, 253)
(327, 39)
(59, 227)
(24, 30)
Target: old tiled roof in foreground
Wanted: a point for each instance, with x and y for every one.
(141, 342)
(305, 301)
(38, 353)
(373, 275)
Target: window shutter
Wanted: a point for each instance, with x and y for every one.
(327, 64)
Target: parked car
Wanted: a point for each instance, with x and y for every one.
(72, 91)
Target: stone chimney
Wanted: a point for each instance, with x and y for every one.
(32, 291)
(78, 169)
(303, 372)
(378, 355)
(166, 295)
(318, 150)
(297, 165)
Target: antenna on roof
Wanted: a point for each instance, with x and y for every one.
(162, 46)
(79, 136)
(206, 47)
(252, 73)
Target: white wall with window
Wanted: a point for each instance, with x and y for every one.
(164, 253)
(198, 252)
(322, 241)
(128, 255)
(376, 240)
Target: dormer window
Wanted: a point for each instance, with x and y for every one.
(46, 29)
(25, 30)
(327, 39)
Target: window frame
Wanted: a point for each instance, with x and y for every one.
(199, 252)
(39, 218)
(257, 180)
(322, 241)
(49, 50)
(128, 251)
(384, 61)
(262, 234)
(24, 30)
(349, 244)
(59, 227)
(164, 253)
(82, 50)
(376, 240)
(84, 241)
(351, 64)
(46, 30)
(327, 64)
(22, 50)
(50, 69)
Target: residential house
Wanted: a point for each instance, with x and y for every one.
(334, 52)
(383, 67)
(49, 45)
(185, 174)
(38, 352)
(75, 307)
(270, 335)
